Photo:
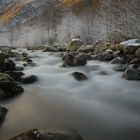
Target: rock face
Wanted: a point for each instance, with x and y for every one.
(74, 45)
(74, 59)
(79, 76)
(9, 86)
(48, 134)
(3, 112)
(131, 74)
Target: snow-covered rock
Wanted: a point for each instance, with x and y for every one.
(131, 42)
(131, 46)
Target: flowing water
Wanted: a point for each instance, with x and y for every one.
(104, 107)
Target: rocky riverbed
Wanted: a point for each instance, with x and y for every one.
(93, 89)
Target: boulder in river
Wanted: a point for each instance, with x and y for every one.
(16, 75)
(30, 64)
(24, 54)
(9, 86)
(120, 68)
(10, 65)
(79, 76)
(28, 79)
(131, 74)
(74, 44)
(117, 60)
(3, 112)
(19, 68)
(131, 46)
(74, 59)
(48, 134)
(104, 56)
(28, 60)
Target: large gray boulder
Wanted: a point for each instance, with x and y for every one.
(21, 77)
(48, 134)
(131, 74)
(74, 59)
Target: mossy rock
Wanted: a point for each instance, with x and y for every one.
(74, 59)
(74, 45)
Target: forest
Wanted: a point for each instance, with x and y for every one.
(93, 20)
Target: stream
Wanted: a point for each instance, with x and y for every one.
(104, 107)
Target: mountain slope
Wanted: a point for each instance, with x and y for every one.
(13, 9)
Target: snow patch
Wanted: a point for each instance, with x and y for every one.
(131, 42)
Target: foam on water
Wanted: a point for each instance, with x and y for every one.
(101, 107)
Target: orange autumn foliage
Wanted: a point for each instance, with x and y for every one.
(12, 11)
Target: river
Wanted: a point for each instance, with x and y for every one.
(104, 107)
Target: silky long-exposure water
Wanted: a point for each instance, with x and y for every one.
(104, 107)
